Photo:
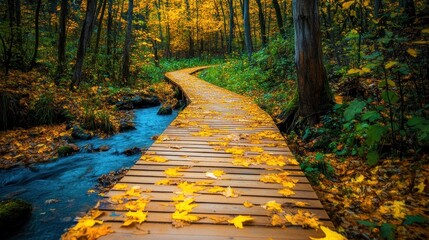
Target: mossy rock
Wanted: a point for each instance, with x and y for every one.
(67, 150)
(13, 214)
(165, 110)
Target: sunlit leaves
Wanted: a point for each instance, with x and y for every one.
(135, 217)
(215, 189)
(286, 192)
(153, 158)
(186, 206)
(304, 219)
(330, 235)
(413, 52)
(173, 172)
(277, 220)
(229, 192)
(272, 206)
(239, 220)
(139, 204)
(88, 228)
(185, 216)
(248, 204)
(189, 188)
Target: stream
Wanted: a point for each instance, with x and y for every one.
(58, 190)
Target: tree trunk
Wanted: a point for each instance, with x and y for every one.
(247, 35)
(231, 25)
(36, 44)
(62, 42)
(85, 36)
(279, 18)
(127, 46)
(99, 28)
(313, 88)
(262, 23)
(189, 30)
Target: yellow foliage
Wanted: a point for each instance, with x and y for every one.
(304, 219)
(286, 192)
(239, 220)
(277, 220)
(173, 172)
(163, 182)
(215, 189)
(229, 192)
(217, 219)
(186, 205)
(329, 235)
(273, 206)
(248, 204)
(218, 173)
(132, 217)
(152, 158)
(185, 216)
(189, 188)
(139, 204)
(301, 204)
(235, 151)
(178, 198)
(120, 186)
(241, 161)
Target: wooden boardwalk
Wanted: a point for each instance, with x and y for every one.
(218, 131)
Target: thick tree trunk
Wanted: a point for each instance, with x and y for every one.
(36, 44)
(231, 25)
(262, 23)
(247, 35)
(313, 89)
(61, 67)
(127, 46)
(279, 18)
(85, 36)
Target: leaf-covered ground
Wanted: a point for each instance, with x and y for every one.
(39, 98)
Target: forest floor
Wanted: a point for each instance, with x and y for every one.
(32, 95)
(386, 201)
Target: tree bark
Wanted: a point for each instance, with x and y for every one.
(188, 30)
(262, 23)
(247, 35)
(62, 42)
(279, 18)
(313, 88)
(85, 36)
(127, 46)
(99, 28)
(36, 44)
(231, 25)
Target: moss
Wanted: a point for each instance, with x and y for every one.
(13, 214)
(67, 150)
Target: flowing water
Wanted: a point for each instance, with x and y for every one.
(58, 190)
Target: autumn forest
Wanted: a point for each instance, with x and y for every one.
(345, 82)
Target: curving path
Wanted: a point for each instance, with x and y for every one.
(218, 131)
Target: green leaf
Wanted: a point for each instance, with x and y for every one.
(390, 95)
(417, 121)
(371, 116)
(354, 108)
(374, 134)
(367, 224)
(387, 231)
(419, 219)
(372, 158)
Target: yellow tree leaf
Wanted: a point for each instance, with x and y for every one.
(390, 64)
(347, 5)
(186, 205)
(286, 192)
(163, 182)
(189, 188)
(399, 210)
(301, 204)
(277, 220)
(304, 219)
(137, 216)
(173, 172)
(229, 192)
(239, 220)
(184, 216)
(272, 206)
(139, 204)
(421, 187)
(218, 173)
(413, 52)
(215, 189)
(248, 204)
(120, 186)
(330, 235)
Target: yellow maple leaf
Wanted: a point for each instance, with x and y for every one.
(163, 182)
(286, 192)
(205, 182)
(152, 158)
(329, 235)
(301, 204)
(120, 186)
(217, 219)
(185, 216)
(86, 222)
(173, 172)
(421, 187)
(138, 216)
(178, 198)
(277, 220)
(293, 161)
(358, 179)
(241, 161)
(248, 204)
(135, 191)
(229, 192)
(186, 205)
(272, 206)
(189, 188)
(97, 232)
(215, 189)
(239, 220)
(235, 151)
(304, 219)
(218, 173)
(139, 204)
(399, 210)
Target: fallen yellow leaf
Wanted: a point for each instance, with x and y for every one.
(330, 235)
(239, 220)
